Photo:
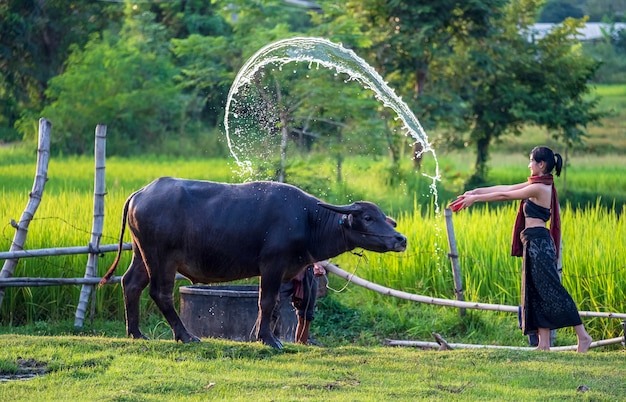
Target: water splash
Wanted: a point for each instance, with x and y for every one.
(332, 56)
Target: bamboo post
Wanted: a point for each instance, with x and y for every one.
(454, 260)
(41, 176)
(98, 222)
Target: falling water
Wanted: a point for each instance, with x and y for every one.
(322, 52)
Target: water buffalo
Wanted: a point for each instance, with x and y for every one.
(215, 232)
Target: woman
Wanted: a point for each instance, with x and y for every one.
(546, 304)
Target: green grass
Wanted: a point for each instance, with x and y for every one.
(96, 368)
(604, 137)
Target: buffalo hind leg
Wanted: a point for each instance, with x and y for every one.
(134, 282)
(162, 292)
(268, 298)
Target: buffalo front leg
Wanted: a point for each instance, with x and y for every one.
(134, 282)
(268, 297)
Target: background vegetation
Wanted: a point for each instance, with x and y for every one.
(158, 73)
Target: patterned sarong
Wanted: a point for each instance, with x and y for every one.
(545, 302)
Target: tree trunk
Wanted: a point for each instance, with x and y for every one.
(421, 76)
(339, 160)
(479, 178)
(283, 147)
(418, 150)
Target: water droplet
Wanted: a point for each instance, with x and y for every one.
(327, 54)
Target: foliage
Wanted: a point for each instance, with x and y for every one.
(596, 10)
(515, 81)
(204, 76)
(158, 73)
(610, 52)
(127, 81)
(407, 44)
(558, 11)
(36, 38)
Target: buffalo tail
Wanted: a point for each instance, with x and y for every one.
(111, 270)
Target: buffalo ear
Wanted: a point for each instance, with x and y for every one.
(342, 209)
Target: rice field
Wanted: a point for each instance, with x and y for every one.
(594, 263)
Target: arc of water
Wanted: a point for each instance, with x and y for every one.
(330, 55)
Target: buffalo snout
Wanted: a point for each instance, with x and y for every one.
(401, 242)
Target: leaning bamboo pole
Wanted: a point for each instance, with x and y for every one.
(455, 303)
(41, 176)
(443, 302)
(91, 270)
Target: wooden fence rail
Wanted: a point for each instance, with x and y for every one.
(49, 252)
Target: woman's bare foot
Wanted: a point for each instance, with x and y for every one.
(584, 342)
(543, 335)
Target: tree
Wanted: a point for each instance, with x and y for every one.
(125, 81)
(514, 80)
(407, 42)
(36, 37)
(558, 11)
(292, 108)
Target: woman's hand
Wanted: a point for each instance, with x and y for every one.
(457, 204)
(463, 201)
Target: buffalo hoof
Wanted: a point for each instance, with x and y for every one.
(139, 336)
(273, 342)
(187, 338)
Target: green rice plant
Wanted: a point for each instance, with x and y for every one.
(64, 219)
(594, 271)
(593, 234)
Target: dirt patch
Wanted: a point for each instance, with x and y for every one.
(26, 369)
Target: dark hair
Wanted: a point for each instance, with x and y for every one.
(552, 160)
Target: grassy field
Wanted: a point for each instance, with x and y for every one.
(96, 368)
(606, 137)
